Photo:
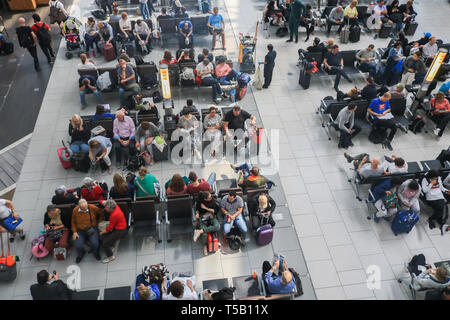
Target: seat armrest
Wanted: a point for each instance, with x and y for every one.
(158, 220)
(167, 218)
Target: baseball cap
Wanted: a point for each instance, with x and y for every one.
(427, 34)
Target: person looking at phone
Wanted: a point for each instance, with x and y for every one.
(283, 282)
(44, 290)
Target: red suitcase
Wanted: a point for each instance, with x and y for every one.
(64, 154)
(109, 52)
(213, 242)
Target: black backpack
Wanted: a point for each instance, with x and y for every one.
(149, 80)
(282, 32)
(43, 34)
(377, 135)
(157, 97)
(234, 238)
(80, 162)
(99, 14)
(417, 125)
(25, 39)
(134, 163)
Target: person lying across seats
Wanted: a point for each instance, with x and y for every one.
(206, 216)
(380, 109)
(365, 166)
(250, 177)
(261, 209)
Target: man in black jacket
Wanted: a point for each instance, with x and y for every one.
(28, 40)
(369, 92)
(43, 290)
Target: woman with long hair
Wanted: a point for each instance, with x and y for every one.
(176, 186)
(121, 188)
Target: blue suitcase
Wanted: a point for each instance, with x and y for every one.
(404, 221)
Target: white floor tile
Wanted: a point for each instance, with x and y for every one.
(366, 242)
(327, 212)
(345, 258)
(336, 234)
(323, 274)
(307, 225)
(315, 248)
(334, 293)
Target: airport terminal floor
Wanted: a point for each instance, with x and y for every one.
(322, 230)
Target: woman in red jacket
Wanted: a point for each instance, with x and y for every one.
(116, 230)
(91, 190)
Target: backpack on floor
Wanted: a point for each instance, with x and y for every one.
(377, 135)
(80, 162)
(282, 32)
(99, 14)
(417, 125)
(234, 238)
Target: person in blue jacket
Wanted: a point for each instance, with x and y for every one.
(145, 290)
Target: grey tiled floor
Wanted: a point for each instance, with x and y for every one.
(324, 233)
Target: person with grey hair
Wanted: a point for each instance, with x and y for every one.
(116, 229)
(64, 196)
(91, 190)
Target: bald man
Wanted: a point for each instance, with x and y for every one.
(283, 282)
(28, 40)
(365, 166)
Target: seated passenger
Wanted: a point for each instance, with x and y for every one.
(144, 183)
(345, 121)
(235, 120)
(176, 186)
(116, 229)
(369, 92)
(163, 15)
(205, 70)
(365, 166)
(56, 231)
(7, 210)
(43, 290)
(206, 216)
(251, 177)
(271, 11)
(205, 54)
(351, 95)
(62, 196)
(430, 49)
(88, 84)
(232, 206)
(179, 289)
(413, 67)
(408, 194)
(99, 149)
(79, 135)
(395, 165)
(398, 93)
(124, 129)
(380, 108)
(261, 208)
(197, 185)
(125, 27)
(182, 13)
(101, 113)
(190, 105)
(91, 36)
(186, 37)
(434, 194)
(381, 11)
(127, 80)
(380, 193)
(216, 23)
(396, 51)
(438, 294)
(351, 14)
(429, 278)
(143, 33)
(107, 33)
(85, 219)
(441, 113)
(115, 16)
(212, 123)
(283, 282)
(85, 63)
(334, 64)
(336, 17)
(145, 290)
(317, 46)
(224, 72)
(121, 189)
(91, 190)
(367, 57)
(186, 57)
(144, 136)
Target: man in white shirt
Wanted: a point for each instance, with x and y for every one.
(205, 70)
(142, 32)
(429, 50)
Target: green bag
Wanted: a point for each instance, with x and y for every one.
(391, 201)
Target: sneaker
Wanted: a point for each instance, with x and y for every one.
(97, 256)
(109, 259)
(216, 101)
(436, 131)
(386, 143)
(224, 96)
(196, 234)
(375, 36)
(219, 99)
(349, 158)
(431, 224)
(79, 258)
(83, 106)
(87, 55)
(234, 167)
(289, 40)
(375, 218)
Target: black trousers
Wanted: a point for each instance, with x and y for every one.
(267, 76)
(108, 240)
(441, 120)
(386, 124)
(33, 52)
(417, 260)
(438, 210)
(343, 137)
(256, 221)
(331, 23)
(47, 49)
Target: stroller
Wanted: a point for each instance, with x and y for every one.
(74, 35)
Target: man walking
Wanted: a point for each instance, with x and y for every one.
(41, 29)
(269, 64)
(28, 40)
(297, 10)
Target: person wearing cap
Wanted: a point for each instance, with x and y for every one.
(423, 41)
(186, 37)
(316, 47)
(142, 32)
(91, 190)
(62, 196)
(205, 70)
(52, 223)
(232, 207)
(45, 44)
(283, 282)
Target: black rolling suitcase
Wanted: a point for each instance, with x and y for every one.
(80, 162)
(385, 31)
(355, 33)
(7, 47)
(410, 28)
(305, 77)
(160, 156)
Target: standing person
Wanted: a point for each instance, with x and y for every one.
(269, 64)
(144, 9)
(216, 23)
(41, 30)
(346, 124)
(297, 8)
(107, 4)
(28, 40)
(116, 229)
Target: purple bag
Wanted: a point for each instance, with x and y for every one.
(264, 234)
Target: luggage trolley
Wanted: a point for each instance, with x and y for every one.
(247, 52)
